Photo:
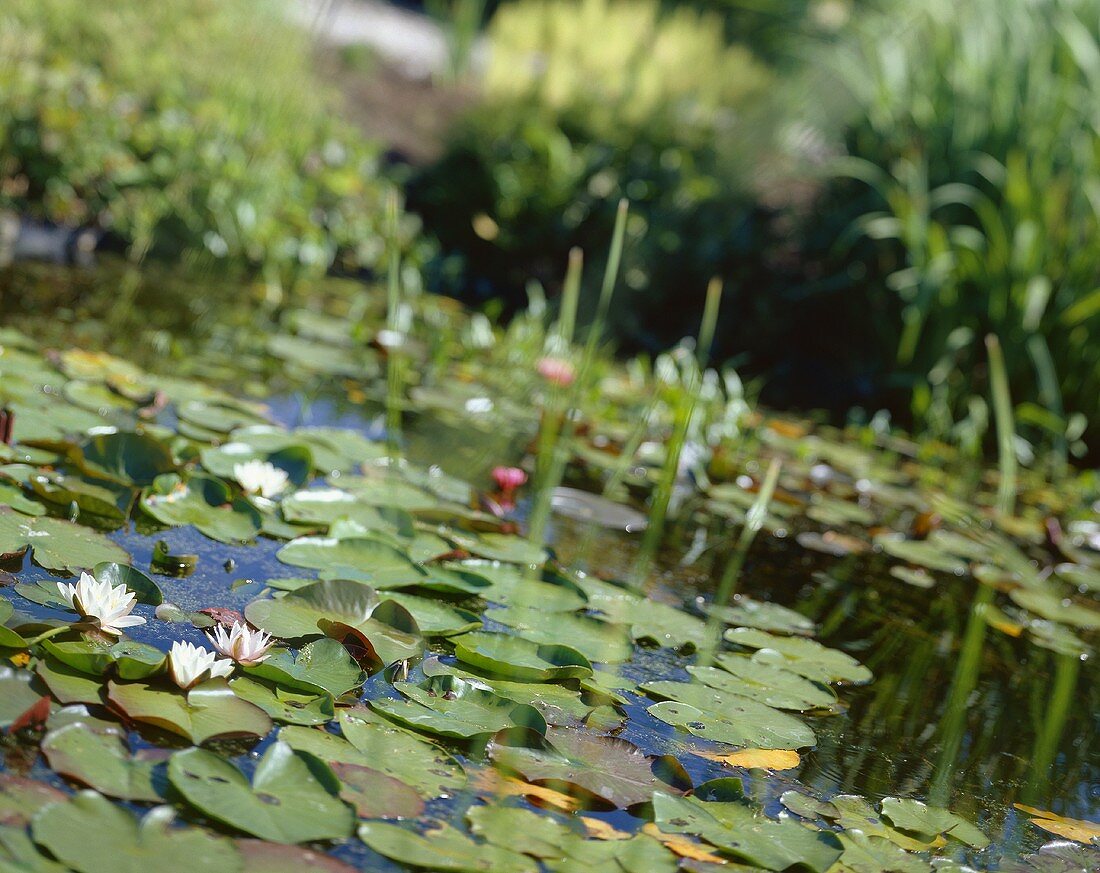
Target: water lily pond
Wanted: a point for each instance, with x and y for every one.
(838, 652)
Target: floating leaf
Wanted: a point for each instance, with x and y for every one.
(764, 616)
(715, 715)
(372, 741)
(289, 707)
(864, 853)
(931, 821)
(519, 659)
(1072, 829)
(1051, 606)
(540, 836)
(205, 712)
(384, 565)
(373, 794)
(451, 707)
(127, 458)
(263, 857)
(67, 684)
(807, 658)
(598, 769)
(208, 504)
(757, 759)
(734, 826)
(90, 834)
(322, 667)
(100, 760)
(292, 798)
(595, 639)
(764, 683)
(353, 606)
(434, 618)
(57, 545)
(442, 849)
(16, 696)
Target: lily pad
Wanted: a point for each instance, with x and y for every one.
(708, 713)
(208, 711)
(208, 504)
(16, 695)
(288, 707)
(435, 618)
(322, 667)
(519, 659)
(931, 821)
(352, 606)
(57, 545)
(128, 458)
(386, 565)
(90, 834)
(442, 849)
(100, 760)
(595, 639)
(763, 683)
(293, 797)
(450, 707)
(144, 588)
(600, 770)
(370, 740)
(807, 658)
(764, 616)
(1050, 605)
(738, 829)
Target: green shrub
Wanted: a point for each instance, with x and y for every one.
(182, 125)
(588, 101)
(974, 127)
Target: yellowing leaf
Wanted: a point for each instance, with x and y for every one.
(602, 830)
(491, 782)
(682, 846)
(1086, 832)
(756, 759)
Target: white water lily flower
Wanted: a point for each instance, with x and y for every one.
(107, 606)
(260, 477)
(241, 643)
(189, 664)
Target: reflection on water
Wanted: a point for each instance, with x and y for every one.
(959, 712)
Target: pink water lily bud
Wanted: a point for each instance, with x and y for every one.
(557, 371)
(509, 478)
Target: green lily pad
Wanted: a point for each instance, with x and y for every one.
(205, 502)
(738, 829)
(57, 545)
(338, 606)
(293, 797)
(128, 458)
(648, 619)
(67, 684)
(442, 849)
(853, 813)
(931, 821)
(288, 707)
(101, 760)
(144, 588)
(764, 616)
(600, 770)
(519, 659)
(18, 853)
(260, 856)
(370, 740)
(510, 585)
(16, 695)
(97, 504)
(923, 553)
(1050, 605)
(90, 834)
(21, 798)
(434, 618)
(595, 639)
(867, 854)
(726, 718)
(508, 548)
(386, 565)
(322, 667)
(208, 711)
(807, 658)
(740, 674)
(221, 461)
(13, 497)
(373, 794)
(9, 639)
(450, 707)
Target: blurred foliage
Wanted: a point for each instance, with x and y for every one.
(652, 110)
(973, 135)
(183, 125)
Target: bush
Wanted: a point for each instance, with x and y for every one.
(973, 130)
(588, 101)
(182, 125)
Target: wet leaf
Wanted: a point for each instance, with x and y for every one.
(442, 849)
(289, 707)
(597, 769)
(373, 794)
(519, 659)
(715, 715)
(208, 504)
(128, 458)
(91, 835)
(292, 798)
(596, 640)
(1072, 829)
(210, 710)
(101, 760)
(16, 695)
(807, 658)
(453, 708)
(764, 616)
(322, 667)
(57, 545)
(757, 759)
(263, 857)
(931, 821)
(782, 689)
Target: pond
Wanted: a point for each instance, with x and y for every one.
(904, 679)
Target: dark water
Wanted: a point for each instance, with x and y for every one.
(1016, 724)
